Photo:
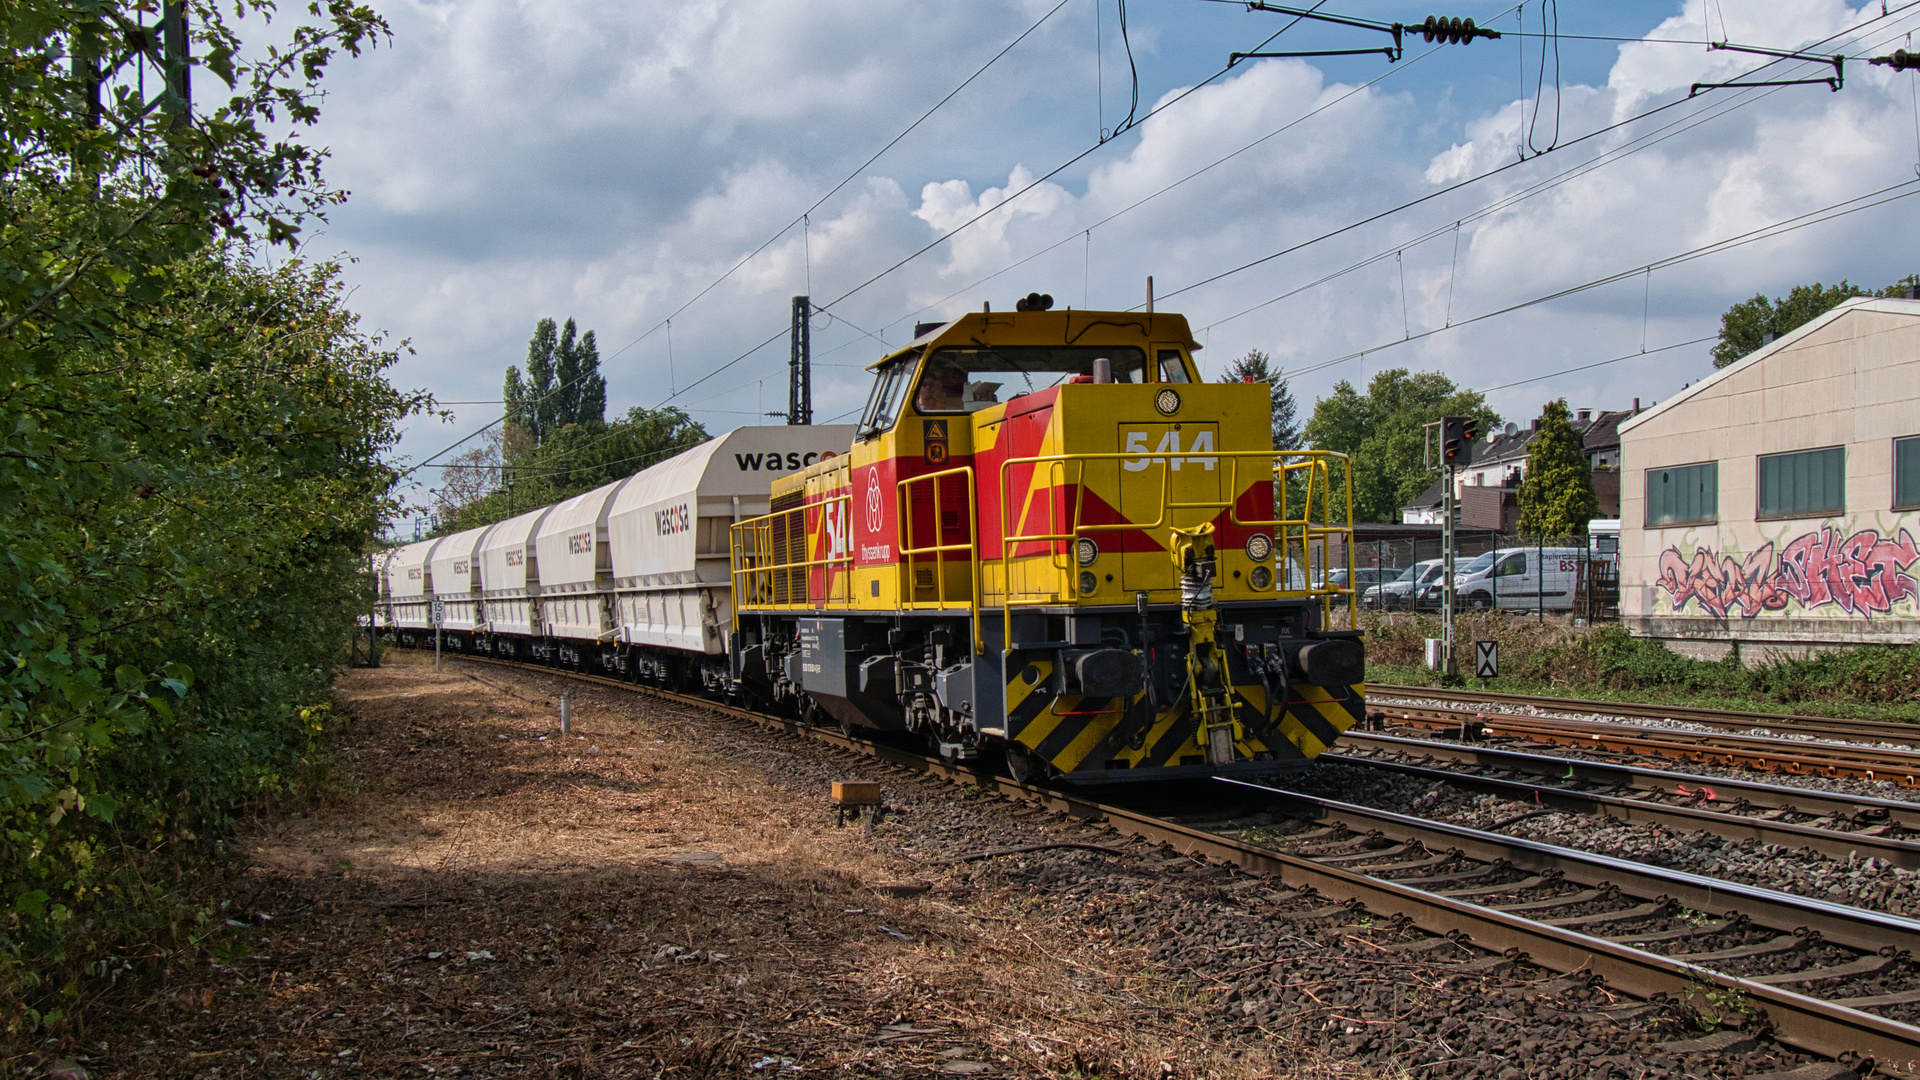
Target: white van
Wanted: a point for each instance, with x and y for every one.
(1514, 578)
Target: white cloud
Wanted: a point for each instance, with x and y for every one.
(528, 158)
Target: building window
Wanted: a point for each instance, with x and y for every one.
(1805, 483)
(1906, 473)
(1683, 495)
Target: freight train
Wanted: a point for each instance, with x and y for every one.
(1045, 541)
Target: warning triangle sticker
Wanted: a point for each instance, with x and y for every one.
(936, 429)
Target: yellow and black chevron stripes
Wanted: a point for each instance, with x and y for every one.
(1075, 733)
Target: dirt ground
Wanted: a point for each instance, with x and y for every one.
(490, 898)
(664, 893)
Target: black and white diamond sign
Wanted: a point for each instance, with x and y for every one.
(1486, 659)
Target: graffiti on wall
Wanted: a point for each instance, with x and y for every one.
(1861, 574)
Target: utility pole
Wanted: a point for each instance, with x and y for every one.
(177, 62)
(800, 364)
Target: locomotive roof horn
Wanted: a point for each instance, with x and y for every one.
(1034, 302)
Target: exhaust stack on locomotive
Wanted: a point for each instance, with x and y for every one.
(1050, 538)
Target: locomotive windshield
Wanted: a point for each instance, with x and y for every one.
(889, 389)
(968, 380)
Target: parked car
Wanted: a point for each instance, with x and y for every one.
(1362, 579)
(1524, 578)
(1398, 593)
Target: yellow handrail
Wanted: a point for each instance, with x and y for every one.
(1305, 530)
(909, 551)
(764, 575)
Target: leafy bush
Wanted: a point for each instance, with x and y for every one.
(190, 474)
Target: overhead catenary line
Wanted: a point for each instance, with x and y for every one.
(849, 178)
(1611, 155)
(1161, 108)
(1011, 198)
(1698, 117)
(1766, 232)
(1643, 141)
(956, 230)
(844, 181)
(1472, 179)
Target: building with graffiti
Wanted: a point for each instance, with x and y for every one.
(1775, 505)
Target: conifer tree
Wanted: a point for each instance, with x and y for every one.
(537, 391)
(562, 384)
(1257, 366)
(566, 378)
(1556, 497)
(591, 405)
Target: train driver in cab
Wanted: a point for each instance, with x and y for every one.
(945, 389)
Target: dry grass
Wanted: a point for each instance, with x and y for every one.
(489, 898)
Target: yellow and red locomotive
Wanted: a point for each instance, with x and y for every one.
(1050, 539)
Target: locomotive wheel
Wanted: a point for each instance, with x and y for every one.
(1023, 766)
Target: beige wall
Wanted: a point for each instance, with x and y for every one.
(1850, 378)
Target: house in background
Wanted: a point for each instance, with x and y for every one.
(1776, 502)
(1488, 490)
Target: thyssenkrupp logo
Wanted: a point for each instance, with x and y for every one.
(874, 516)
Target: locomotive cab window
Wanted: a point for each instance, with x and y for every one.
(968, 380)
(889, 389)
(1172, 368)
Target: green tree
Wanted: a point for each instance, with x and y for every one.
(1556, 496)
(1745, 325)
(1257, 367)
(1383, 431)
(575, 458)
(562, 386)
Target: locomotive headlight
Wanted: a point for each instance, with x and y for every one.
(1088, 583)
(1086, 550)
(1261, 577)
(1259, 546)
(1167, 401)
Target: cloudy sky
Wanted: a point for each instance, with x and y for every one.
(513, 159)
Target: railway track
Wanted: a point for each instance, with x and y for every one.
(1721, 719)
(1864, 754)
(1786, 724)
(1450, 905)
(1842, 826)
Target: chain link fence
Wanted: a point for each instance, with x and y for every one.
(1575, 576)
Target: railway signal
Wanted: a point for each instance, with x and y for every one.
(1457, 435)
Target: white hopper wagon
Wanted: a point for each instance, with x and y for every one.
(455, 568)
(576, 569)
(668, 528)
(509, 576)
(410, 586)
(377, 564)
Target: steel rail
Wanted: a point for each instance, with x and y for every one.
(1855, 928)
(1832, 842)
(1806, 1023)
(1760, 752)
(1729, 719)
(1655, 782)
